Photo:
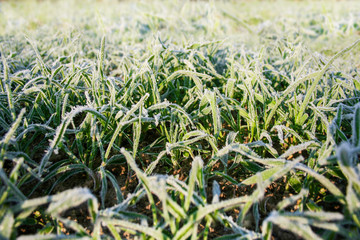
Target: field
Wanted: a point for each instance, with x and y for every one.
(179, 120)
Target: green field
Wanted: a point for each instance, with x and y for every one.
(179, 119)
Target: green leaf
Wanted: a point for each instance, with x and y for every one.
(6, 225)
(115, 184)
(104, 186)
(265, 175)
(197, 164)
(356, 126)
(155, 233)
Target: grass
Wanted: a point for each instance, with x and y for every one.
(179, 120)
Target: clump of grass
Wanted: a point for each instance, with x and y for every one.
(179, 120)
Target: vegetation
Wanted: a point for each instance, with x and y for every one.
(179, 120)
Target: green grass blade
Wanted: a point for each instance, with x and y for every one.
(122, 123)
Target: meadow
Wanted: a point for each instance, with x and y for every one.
(179, 120)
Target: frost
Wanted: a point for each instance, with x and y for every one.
(157, 118)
